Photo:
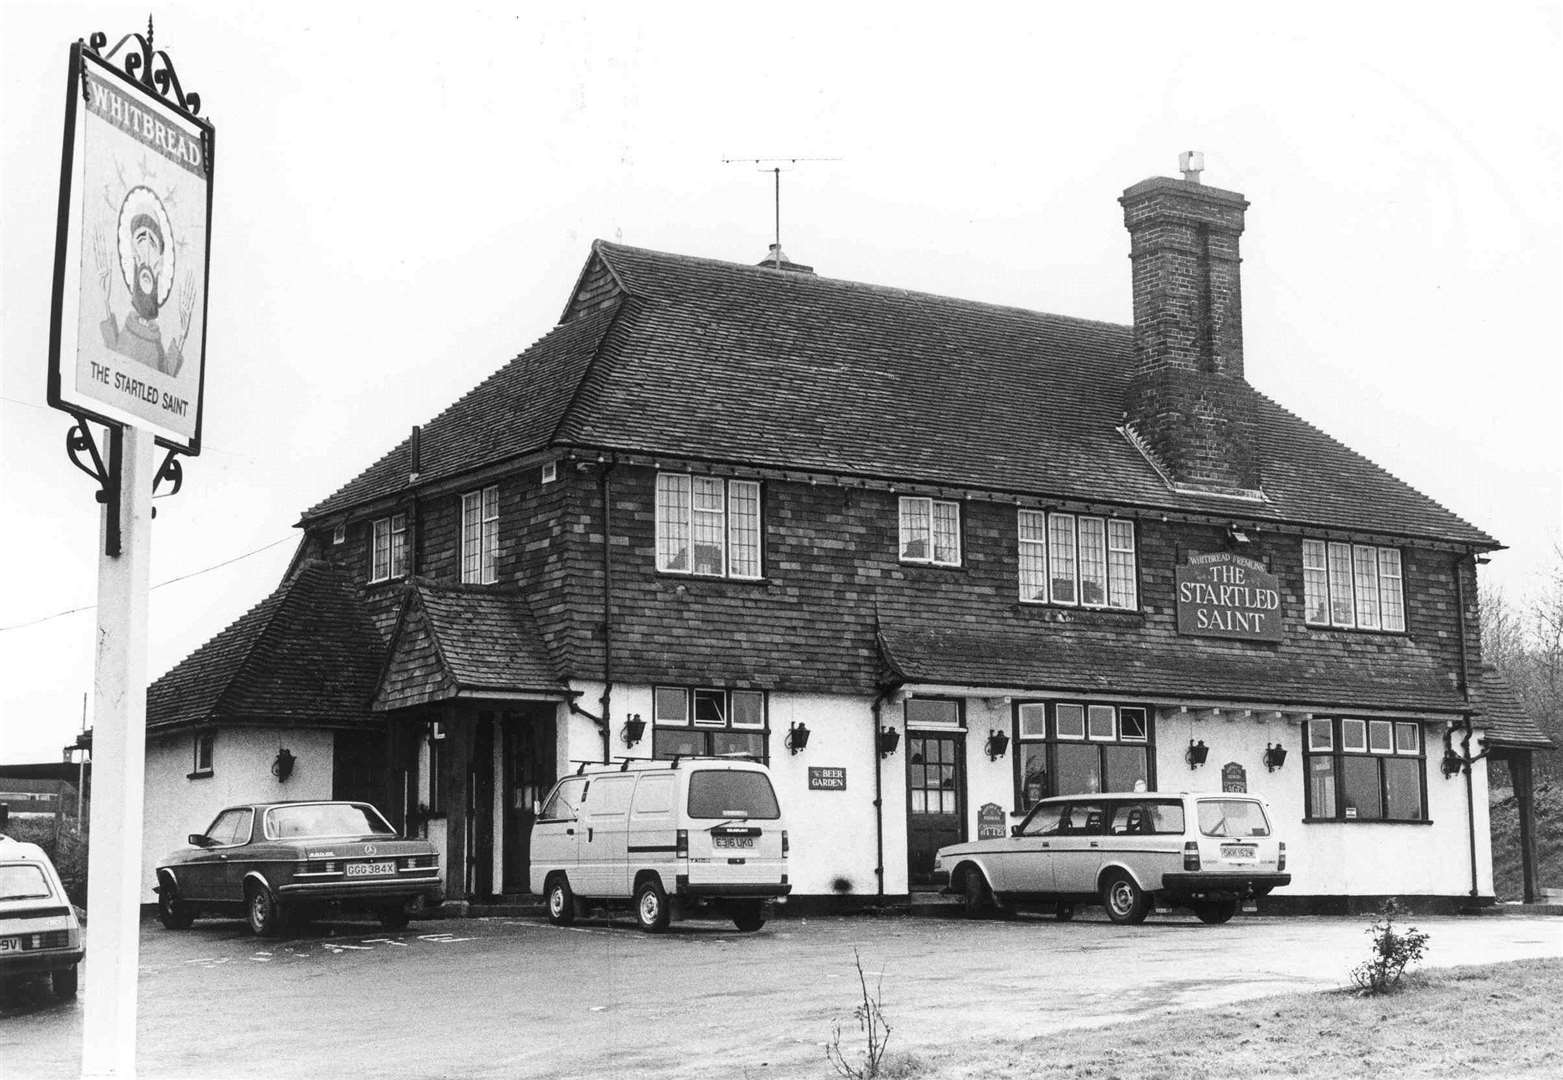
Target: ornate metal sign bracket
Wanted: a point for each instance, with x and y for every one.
(151, 68)
(83, 451)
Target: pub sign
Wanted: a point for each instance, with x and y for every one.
(827, 778)
(128, 329)
(1228, 596)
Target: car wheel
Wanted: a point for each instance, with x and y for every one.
(1216, 912)
(173, 913)
(651, 906)
(393, 916)
(262, 911)
(749, 917)
(63, 982)
(561, 901)
(1125, 901)
(1064, 912)
(977, 898)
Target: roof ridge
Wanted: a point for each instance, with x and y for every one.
(568, 412)
(607, 248)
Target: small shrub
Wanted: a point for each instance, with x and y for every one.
(871, 1022)
(1393, 950)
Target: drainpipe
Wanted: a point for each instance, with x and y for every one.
(1465, 694)
(879, 802)
(607, 608)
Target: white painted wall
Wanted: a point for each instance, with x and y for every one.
(241, 772)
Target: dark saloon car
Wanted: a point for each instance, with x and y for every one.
(292, 860)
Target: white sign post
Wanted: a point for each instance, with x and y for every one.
(127, 348)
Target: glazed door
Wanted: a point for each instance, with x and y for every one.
(935, 800)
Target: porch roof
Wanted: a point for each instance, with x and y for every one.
(1508, 726)
(460, 640)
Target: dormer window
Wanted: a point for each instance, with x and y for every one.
(1356, 586)
(480, 536)
(930, 531)
(708, 525)
(388, 548)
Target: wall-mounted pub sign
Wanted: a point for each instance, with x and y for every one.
(990, 822)
(1234, 777)
(827, 778)
(1229, 596)
(128, 332)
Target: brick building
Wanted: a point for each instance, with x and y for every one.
(981, 554)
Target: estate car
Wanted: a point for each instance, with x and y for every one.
(273, 861)
(1205, 852)
(39, 930)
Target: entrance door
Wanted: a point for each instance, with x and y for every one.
(935, 800)
(529, 773)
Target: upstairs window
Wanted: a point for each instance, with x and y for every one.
(480, 536)
(708, 526)
(930, 531)
(1357, 586)
(388, 557)
(1077, 560)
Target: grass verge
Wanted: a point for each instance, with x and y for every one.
(1489, 1021)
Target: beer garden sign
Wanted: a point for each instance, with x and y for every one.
(1228, 596)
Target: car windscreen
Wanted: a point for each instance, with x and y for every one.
(23, 881)
(732, 793)
(1232, 817)
(324, 819)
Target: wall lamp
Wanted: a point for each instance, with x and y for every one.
(1236, 535)
(633, 730)
(797, 737)
(282, 765)
(997, 743)
(1196, 753)
(1275, 756)
(889, 739)
(1452, 763)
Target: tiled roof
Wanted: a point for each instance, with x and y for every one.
(514, 411)
(1507, 724)
(305, 654)
(1037, 660)
(706, 359)
(452, 638)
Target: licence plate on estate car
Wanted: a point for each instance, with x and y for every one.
(1239, 851)
(10, 944)
(734, 841)
(369, 869)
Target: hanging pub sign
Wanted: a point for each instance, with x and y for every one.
(1229, 596)
(127, 338)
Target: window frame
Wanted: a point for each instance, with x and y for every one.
(1023, 716)
(480, 531)
(742, 543)
(203, 755)
(392, 531)
(927, 509)
(664, 693)
(1336, 582)
(1114, 545)
(1338, 754)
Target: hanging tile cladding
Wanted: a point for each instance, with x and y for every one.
(736, 363)
(831, 564)
(415, 673)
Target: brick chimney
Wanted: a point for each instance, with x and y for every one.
(1188, 405)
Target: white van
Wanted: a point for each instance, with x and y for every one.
(671, 836)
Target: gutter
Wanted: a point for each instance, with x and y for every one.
(879, 803)
(607, 608)
(1466, 760)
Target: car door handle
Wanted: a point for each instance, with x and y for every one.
(588, 836)
(1095, 844)
(569, 832)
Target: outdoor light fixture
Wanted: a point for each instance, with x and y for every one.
(997, 743)
(1236, 535)
(282, 766)
(1275, 756)
(889, 739)
(1196, 753)
(1452, 763)
(634, 728)
(797, 737)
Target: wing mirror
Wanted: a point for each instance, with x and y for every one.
(196, 839)
(1014, 830)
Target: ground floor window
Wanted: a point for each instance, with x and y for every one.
(1069, 747)
(203, 754)
(709, 720)
(1365, 770)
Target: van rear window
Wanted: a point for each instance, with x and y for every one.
(1232, 817)
(732, 793)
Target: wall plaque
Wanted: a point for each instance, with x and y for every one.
(1228, 596)
(1234, 777)
(827, 778)
(990, 822)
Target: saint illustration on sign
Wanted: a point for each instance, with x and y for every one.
(147, 264)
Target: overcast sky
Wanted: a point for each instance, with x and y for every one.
(405, 194)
